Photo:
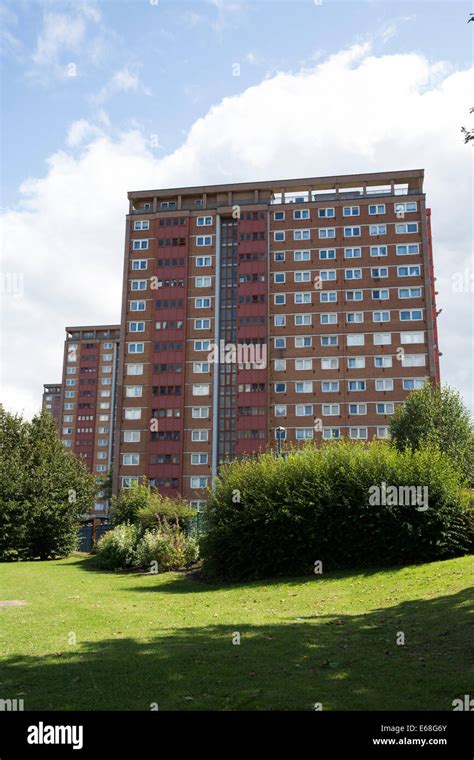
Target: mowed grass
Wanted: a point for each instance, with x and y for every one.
(89, 640)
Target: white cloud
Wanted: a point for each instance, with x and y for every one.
(125, 80)
(353, 112)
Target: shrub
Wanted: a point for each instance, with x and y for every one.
(271, 517)
(168, 546)
(140, 505)
(117, 548)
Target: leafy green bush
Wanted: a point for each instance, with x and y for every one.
(271, 517)
(168, 546)
(117, 548)
(140, 505)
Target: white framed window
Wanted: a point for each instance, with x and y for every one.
(200, 389)
(409, 292)
(132, 413)
(138, 285)
(198, 482)
(133, 391)
(138, 264)
(200, 412)
(379, 272)
(413, 360)
(202, 303)
(378, 208)
(279, 342)
(203, 240)
(408, 249)
(140, 245)
(204, 221)
(410, 271)
(408, 315)
(331, 433)
(379, 250)
(406, 228)
(354, 317)
(202, 324)
(303, 320)
(280, 410)
(303, 365)
(351, 211)
(386, 384)
(279, 365)
(203, 282)
(302, 256)
(279, 256)
(356, 386)
(380, 294)
(352, 253)
(199, 458)
(326, 232)
(355, 340)
(383, 432)
(357, 409)
(201, 368)
(304, 410)
(279, 278)
(279, 320)
(384, 407)
(382, 339)
(200, 435)
(203, 261)
(135, 348)
(144, 224)
(330, 386)
(301, 213)
(279, 236)
(330, 410)
(279, 216)
(377, 229)
(327, 275)
(131, 436)
(381, 316)
(358, 433)
(354, 295)
(330, 318)
(301, 234)
(326, 254)
(136, 326)
(303, 341)
(356, 362)
(302, 276)
(328, 296)
(137, 305)
(304, 387)
(412, 337)
(351, 231)
(280, 387)
(302, 298)
(413, 383)
(326, 213)
(329, 340)
(331, 363)
(353, 274)
(279, 299)
(405, 208)
(383, 362)
(304, 434)
(202, 345)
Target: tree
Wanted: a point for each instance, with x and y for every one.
(44, 490)
(125, 506)
(436, 416)
(141, 505)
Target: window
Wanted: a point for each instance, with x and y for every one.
(356, 385)
(139, 264)
(329, 363)
(302, 276)
(382, 339)
(351, 211)
(326, 213)
(204, 261)
(328, 296)
(384, 408)
(357, 409)
(137, 326)
(382, 362)
(279, 299)
(383, 432)
(280, 342)
(200, 412)
(412, 337)
(140, 245)
(137, 305)
(202, 345)
(412, 271)
(353, 317)
(302, 256)
(279, 277)
(356, 362)
(330, 386)
(303, 320)
(204, 221)
(353, 274)
(203, 282)
(405, 208)
(355, 340)
(279, 320)
(354, 295)
(200, 368)
(379, 272)
(279, 365)
(202, 324)
(200, 435)
(302, 298)
(202, 240)
(408, 250)
(280, 410)
(413, 383)
(199, 482)
(328, 319)
(405, 228)
(304, 387)
(279, 216)
(377, 229)
(279, 236)
(199, 458)
(331, 433)
(381, 316)
(303, 364)
(301, 234)
(378, 250)
(351, 231)
(358, 433)
(142, 225)
(301, 213)
(202, 303)
(279, 256)
(329, 340)
(384, 385)
(352, 253)
(411, 314)
(409, 292)
(133, 391)
(138, 285)
(280, 387)
(327, 275)
(330, 410)
(201, 389)
(132, 414)
(303, 342)
(413, 360)
(304, 434)
(327, 253)
(131, 436)
(326, 232)
(380, 295)
(377, 209)
(304, 410)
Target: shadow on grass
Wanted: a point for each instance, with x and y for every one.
(352, 663)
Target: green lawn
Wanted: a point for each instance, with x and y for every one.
(143, 639)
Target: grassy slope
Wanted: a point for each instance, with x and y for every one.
(168, 639)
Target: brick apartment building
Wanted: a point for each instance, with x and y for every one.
(88, 397)
(325, 288)
(52, 401)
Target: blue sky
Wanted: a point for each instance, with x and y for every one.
(182, 93)
(183, 54)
